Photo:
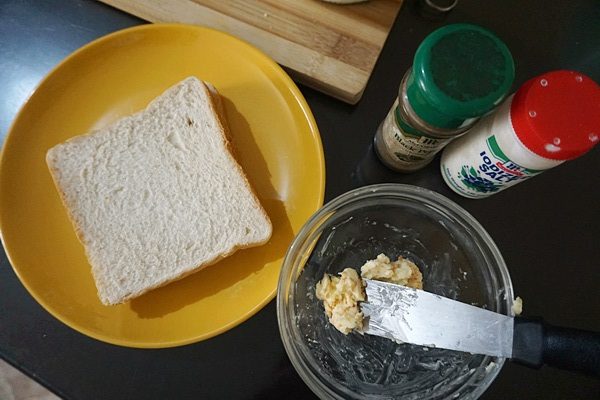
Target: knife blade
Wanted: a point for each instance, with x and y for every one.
(415, 316)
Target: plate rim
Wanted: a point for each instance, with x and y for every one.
(290, 85)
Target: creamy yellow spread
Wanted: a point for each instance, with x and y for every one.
(402, 272)
(517, 306)
(340, 295)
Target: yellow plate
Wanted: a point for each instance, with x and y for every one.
(277, 143)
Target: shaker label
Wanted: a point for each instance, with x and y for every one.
(406, 143)
(490, 172)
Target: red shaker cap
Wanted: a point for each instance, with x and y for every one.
(557, 115)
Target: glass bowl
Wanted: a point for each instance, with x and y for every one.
(458, 259)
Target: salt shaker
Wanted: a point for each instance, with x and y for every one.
(459, 72)
(552, 118)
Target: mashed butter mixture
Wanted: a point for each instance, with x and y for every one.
(402, 272)
(517, 306)
(341, 295)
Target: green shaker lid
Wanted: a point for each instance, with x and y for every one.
(459, 72)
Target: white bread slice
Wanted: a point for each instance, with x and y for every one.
(158, 194)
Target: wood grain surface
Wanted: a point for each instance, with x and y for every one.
(330, 47)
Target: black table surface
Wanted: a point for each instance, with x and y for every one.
(547, 228)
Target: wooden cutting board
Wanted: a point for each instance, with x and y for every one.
(330, 47)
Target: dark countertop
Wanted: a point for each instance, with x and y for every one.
(546, 228)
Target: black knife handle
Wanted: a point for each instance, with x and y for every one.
(536, 343)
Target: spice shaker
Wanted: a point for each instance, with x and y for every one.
(459, 72)
(552, 118)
